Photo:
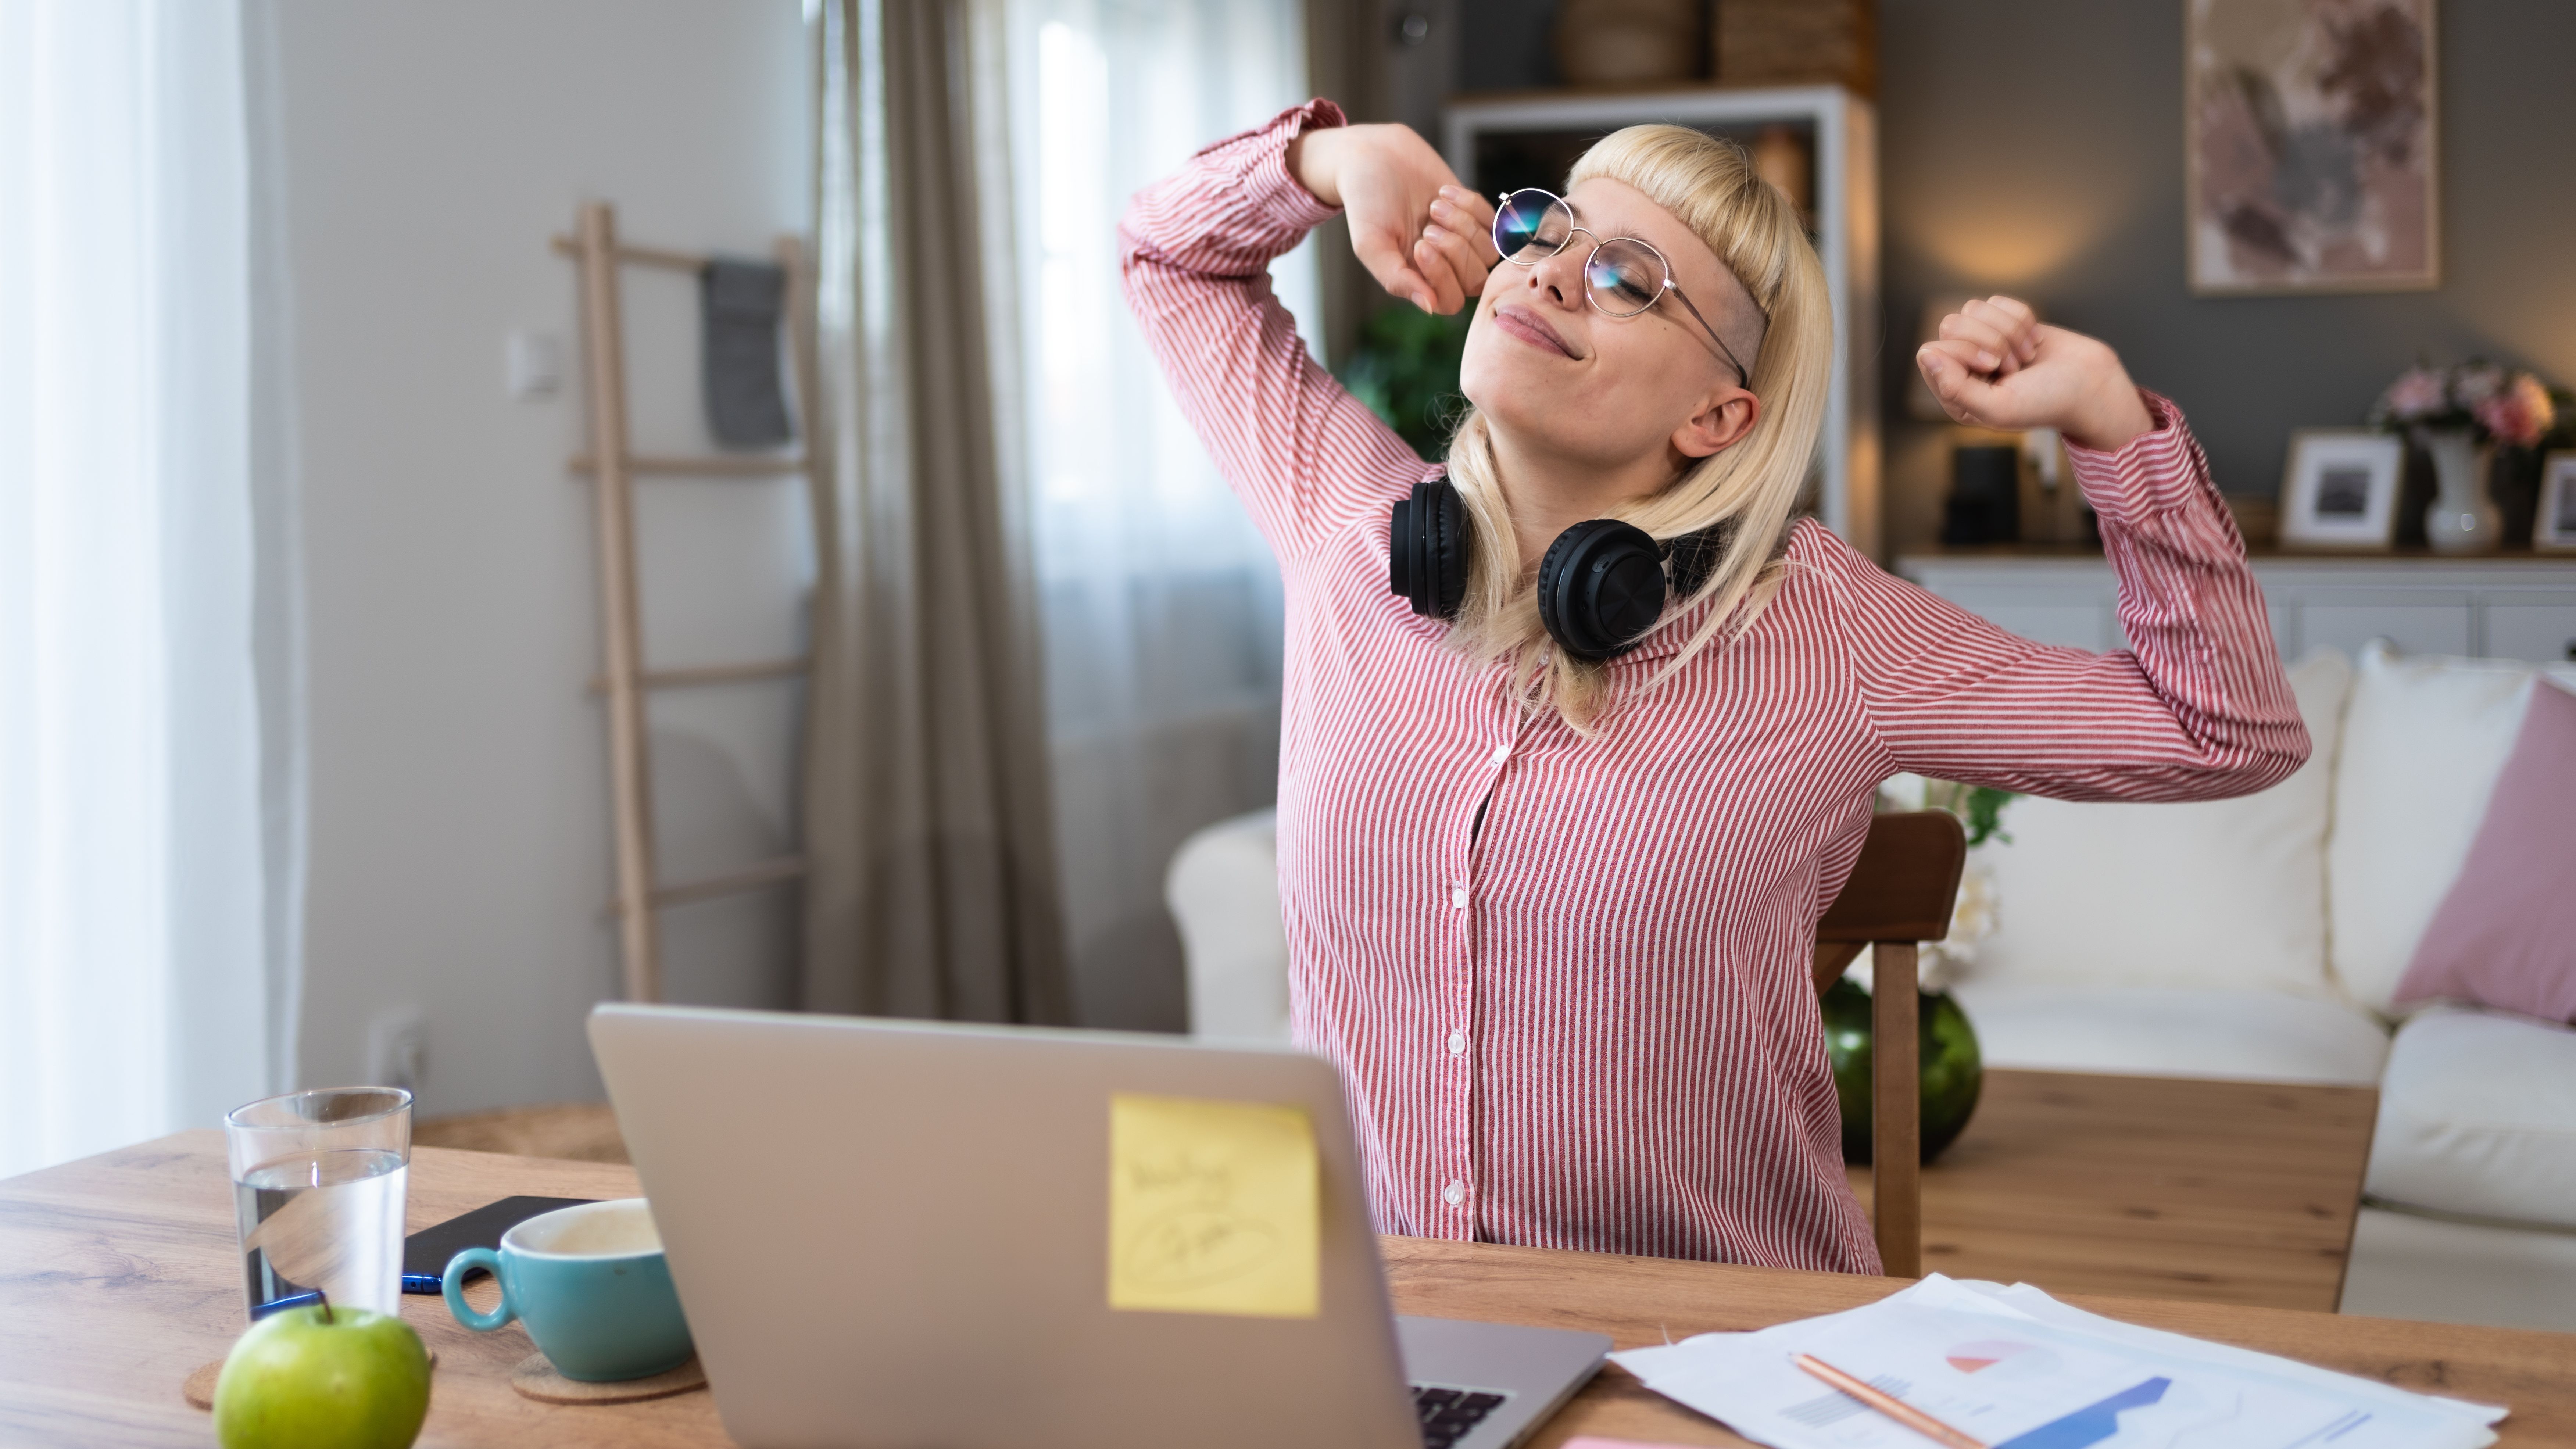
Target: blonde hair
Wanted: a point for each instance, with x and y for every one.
(1749, 490)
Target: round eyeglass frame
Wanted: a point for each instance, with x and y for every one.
(1536, 251)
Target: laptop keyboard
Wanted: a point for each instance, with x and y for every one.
(1447, 1414)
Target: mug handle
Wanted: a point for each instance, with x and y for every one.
(451, 1286)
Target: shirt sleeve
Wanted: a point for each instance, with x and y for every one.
(2197, 708)
(1305, 456)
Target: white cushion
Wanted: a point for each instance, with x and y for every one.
(2215, 893)
(2423, 742)
(2405, 1266)
(2477, 1115)
(1223, 889)
(2157, 1032)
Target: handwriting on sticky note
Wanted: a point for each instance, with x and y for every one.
(1213, 1207)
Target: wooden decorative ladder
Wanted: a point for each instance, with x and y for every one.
(613, 466)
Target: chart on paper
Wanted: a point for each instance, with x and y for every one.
(2012, 1381)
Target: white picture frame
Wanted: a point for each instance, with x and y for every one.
(2339, 490)
(2553, 528)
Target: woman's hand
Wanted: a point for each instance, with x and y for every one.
(1424, 237)
(1998, 366)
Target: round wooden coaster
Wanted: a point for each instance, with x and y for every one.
(199, 1387)
(536, 1379)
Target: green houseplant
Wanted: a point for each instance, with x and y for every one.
(1405, 368)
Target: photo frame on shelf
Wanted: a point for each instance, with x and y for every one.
(2553, 528)
(2340, 489)
(2350, 201)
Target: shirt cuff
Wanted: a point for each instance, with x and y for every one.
(1275, 195)
(2156, 472)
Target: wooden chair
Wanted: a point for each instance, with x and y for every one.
(1900, 893)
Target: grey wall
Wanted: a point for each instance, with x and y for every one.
(2035, 146)
(1505, 45)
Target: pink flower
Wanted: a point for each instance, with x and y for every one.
(2415, 394)
(2517, 414)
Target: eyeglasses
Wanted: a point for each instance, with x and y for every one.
(1622, 277)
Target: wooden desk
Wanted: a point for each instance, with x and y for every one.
(2152, 1187)
(2143, 1187)
(119, 1274)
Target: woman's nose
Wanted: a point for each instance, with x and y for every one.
(1560, 277)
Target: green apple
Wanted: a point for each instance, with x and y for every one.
(323, 1378)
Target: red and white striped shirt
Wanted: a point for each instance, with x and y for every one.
(1591, 1024)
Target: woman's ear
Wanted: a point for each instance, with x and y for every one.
(1723, 419)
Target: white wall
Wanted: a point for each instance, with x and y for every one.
(460, 828)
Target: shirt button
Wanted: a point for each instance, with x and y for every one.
(1502, 753)
(1457, 1043)
(1458, 897)
(1454, 1194)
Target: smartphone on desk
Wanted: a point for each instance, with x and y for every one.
(426, 1253)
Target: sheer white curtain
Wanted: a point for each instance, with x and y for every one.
(137, 992)
(1161, 604)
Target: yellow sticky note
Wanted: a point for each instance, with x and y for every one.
(1213, 1207)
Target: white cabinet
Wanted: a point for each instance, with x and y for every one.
(2504, 608)
(2537, 624)
(2417, 621)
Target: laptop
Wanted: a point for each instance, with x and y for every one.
(898, 1234)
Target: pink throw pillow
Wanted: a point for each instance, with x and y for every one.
(2505, 936)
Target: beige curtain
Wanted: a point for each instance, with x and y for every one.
(933, 884)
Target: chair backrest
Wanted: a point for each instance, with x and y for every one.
(1901, 893)
(1902, 888)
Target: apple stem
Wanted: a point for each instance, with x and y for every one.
(326, 1306)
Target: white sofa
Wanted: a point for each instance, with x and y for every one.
(2258, 938)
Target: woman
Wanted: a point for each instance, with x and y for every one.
(1551, 896)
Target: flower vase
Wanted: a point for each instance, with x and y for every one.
(2461, 519)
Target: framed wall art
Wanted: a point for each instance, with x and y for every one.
(2340, 490)
(2309, 146)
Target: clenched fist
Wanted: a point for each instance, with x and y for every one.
(1998, 366)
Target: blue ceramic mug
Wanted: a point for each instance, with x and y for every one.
(592, 1287)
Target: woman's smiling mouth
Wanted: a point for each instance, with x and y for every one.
(1531, 328)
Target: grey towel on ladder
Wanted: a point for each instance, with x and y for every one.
(740, 303)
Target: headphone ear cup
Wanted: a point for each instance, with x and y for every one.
(1450, 533)
(1600, 588)
(1426, 550)
(1399, 550)
(1694, 557)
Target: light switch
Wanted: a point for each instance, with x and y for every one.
(535, 364)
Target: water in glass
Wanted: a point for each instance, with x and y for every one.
(329, 1220)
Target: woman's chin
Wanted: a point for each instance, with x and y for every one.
(1514, 395)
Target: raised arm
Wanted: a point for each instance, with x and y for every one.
(1306, 457)
(2198, 707)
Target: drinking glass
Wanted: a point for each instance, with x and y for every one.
(318, 1184)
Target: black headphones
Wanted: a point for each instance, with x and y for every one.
(1601, 585)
